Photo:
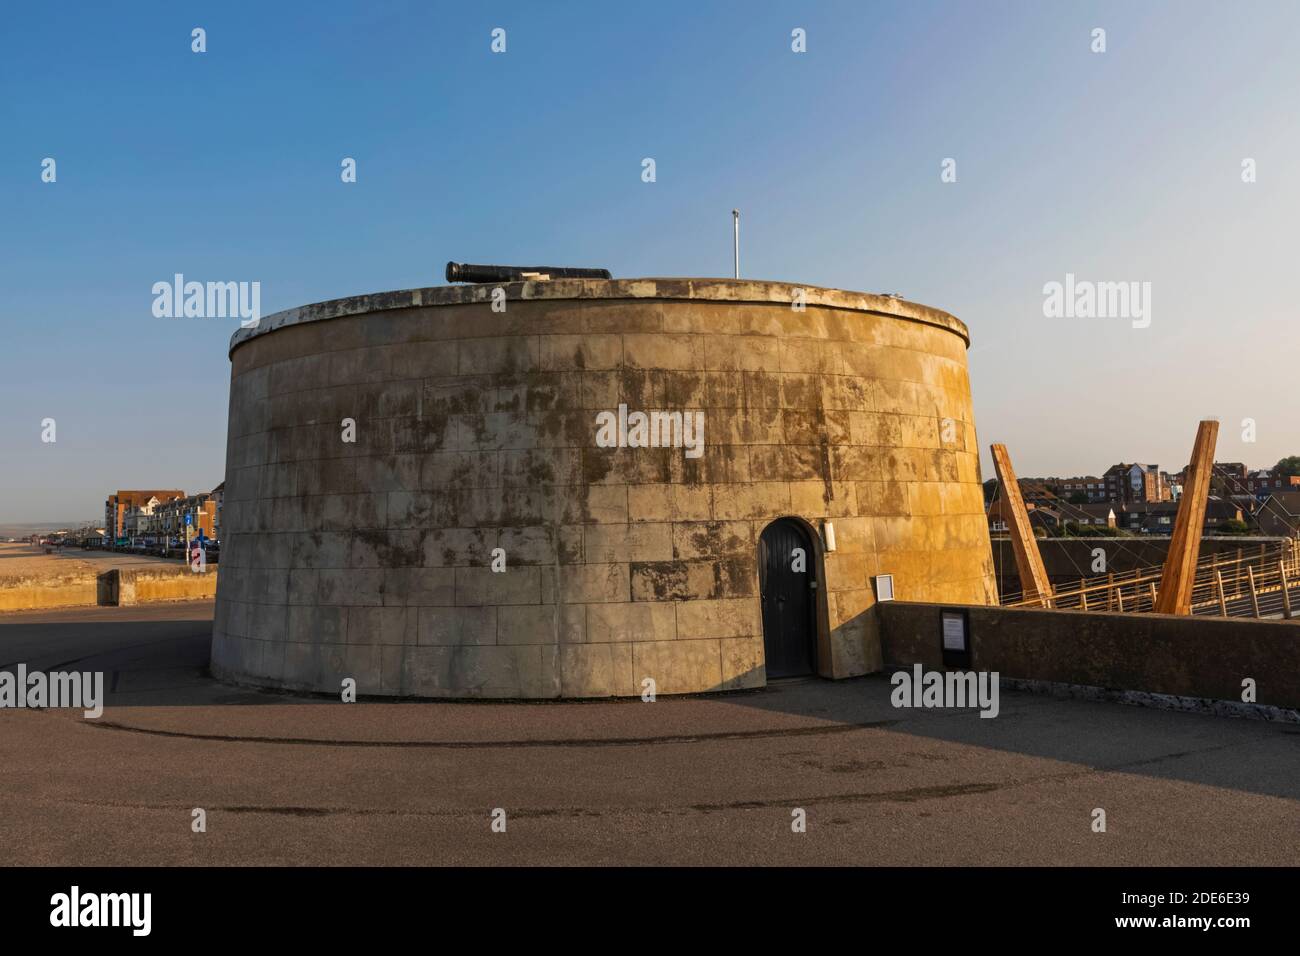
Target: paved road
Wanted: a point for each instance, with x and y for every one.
(107, 560)
(294, 780)
(25, 559)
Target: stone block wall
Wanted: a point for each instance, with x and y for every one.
(475, 431)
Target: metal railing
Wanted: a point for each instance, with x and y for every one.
(1253, 583)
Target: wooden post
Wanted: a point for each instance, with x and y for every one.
(1286, 590)
(1110, 583)
(1223, 600)
(1236, 582)
(1034, 586)
(1119, 596)
(1152, 586)
(1083, 597)
(1254, 596)
(1179, 573)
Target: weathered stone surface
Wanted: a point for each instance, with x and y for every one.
(475, 442)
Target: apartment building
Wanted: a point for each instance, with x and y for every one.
(1136, 483)
(169, 517)
(1091, 486)
(1159, 517)
(117, 505)
(1265, 482)
(218, 497)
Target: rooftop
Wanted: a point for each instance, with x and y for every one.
(704, 290)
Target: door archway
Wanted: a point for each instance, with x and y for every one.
(787, 579)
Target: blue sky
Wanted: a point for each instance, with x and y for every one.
(1115, 166)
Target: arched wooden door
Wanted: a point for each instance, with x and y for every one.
(787, 579)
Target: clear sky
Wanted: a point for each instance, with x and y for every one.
(1117, 166)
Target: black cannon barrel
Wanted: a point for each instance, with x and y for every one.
(466, 272)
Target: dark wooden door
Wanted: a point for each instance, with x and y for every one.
(787, 597)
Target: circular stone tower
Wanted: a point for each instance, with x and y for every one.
(584, 485)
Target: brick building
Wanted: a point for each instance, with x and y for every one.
(218, 498)
(1159, 517)
(1091, 486)
(117, 506)
(1136, 483)
(170, 517)
(1265, 482)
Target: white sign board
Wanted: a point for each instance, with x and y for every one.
(954, 632)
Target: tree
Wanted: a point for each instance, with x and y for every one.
(1289, 465)
(1233, 526)
(1075, 530)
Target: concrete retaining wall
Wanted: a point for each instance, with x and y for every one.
(147, 585)
(123, 586)
(1201, 657)
(35, 591)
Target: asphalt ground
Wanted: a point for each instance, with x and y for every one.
(287, 779)
(24, 559)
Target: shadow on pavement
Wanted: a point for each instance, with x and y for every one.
(161, 660)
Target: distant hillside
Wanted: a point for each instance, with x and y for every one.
(17, 530)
